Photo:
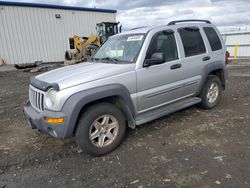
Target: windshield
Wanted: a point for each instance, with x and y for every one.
(120, 49)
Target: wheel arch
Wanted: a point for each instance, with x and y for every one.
(215, 68)
(220, 74)
(116, 94)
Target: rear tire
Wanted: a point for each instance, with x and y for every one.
(211, 92)
(68, 55)
(101, 129)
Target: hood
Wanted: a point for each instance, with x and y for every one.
(82, 73)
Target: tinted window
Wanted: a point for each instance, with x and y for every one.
(164, 42)
(213, 38)
(192, 41)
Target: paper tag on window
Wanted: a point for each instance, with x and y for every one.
(135, 38)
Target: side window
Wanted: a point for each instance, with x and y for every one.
(164, 42)
(192, 41)
(213, 38)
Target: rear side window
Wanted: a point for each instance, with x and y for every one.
(213, 38)
(192, 41)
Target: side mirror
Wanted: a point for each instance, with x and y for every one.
(156, 58)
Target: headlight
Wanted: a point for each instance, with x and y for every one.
(51, 98)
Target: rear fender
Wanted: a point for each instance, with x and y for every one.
(210, 68)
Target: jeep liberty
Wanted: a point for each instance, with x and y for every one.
(135, 77)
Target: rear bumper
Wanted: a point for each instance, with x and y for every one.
(36, 120)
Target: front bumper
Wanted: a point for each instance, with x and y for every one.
(36, 120)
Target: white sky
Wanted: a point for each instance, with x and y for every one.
(136, 13)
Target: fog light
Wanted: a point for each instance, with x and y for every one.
(50, 120)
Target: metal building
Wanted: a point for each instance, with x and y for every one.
(237, 40)
(33, 32)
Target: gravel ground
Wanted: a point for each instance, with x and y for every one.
(190, 148)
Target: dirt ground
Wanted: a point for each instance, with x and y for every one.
(190, 148)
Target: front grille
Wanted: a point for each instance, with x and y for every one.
(36, 98)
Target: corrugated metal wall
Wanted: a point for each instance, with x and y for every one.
(238, 44)
(30, 34)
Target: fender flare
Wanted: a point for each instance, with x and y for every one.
(212, 67)
(74, 104)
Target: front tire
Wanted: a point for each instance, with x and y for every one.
(211, 92)
(100, 129)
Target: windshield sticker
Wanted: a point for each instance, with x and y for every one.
(135, 38)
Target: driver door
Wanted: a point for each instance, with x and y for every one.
(160, 84)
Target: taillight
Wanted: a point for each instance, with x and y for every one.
(227, 57)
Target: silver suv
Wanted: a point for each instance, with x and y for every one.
(135, 77)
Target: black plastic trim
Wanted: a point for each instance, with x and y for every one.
(181, 21)
(210, 68)
(44, 86)
(77, 101)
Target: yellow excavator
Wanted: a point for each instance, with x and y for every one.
(83, 48)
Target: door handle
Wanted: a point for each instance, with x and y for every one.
(175, 66)
(206, 58)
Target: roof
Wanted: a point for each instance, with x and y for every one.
(53, 6)
(149, 28)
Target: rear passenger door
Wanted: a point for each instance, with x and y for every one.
(195, 58)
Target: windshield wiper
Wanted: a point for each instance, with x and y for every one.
(114, 60)
(95, 59)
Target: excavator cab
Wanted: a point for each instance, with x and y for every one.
(106, 29)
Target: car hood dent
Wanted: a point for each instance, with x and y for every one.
(82, 73)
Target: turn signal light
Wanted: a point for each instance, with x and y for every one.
(50, 120)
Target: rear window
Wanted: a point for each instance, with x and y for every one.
(213, 38)
(192, 41)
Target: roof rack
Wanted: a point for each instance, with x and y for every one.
(137, 28)
(179, 21)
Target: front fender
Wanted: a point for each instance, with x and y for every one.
(73, 105)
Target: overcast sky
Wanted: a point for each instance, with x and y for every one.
(135, 13)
